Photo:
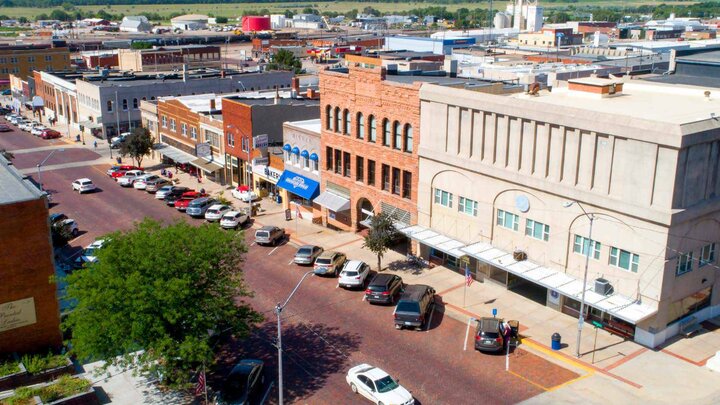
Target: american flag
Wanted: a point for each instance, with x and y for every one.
(200, 386)
(468, 276)
(297, 212)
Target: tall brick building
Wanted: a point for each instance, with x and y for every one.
(369, 139)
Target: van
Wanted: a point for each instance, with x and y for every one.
(269, 235)
(198, 206)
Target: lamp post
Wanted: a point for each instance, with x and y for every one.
(581, 317)
(248, 166)
(278, 311)
(559, 38)
(42, 163)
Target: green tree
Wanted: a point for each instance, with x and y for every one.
(141, 45)
(60, 15)
(161, 290)
(285, 60)
(137, 145)
(380, 236)
(41, 16)
(221, 20)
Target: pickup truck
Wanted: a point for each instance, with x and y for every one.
(182, 203)
(414, 307)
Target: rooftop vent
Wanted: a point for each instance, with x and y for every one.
(596, 86)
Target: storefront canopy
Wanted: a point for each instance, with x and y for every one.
(299, 185)
(90, 125)
(434, 240)
(206, 165)
(174, 153)
(333, 202)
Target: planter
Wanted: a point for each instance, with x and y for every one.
(23, 378)
(11, 381)
(67, 390)
(84, 398)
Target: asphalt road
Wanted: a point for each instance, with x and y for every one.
(326, 329)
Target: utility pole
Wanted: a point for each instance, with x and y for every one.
(42, 163)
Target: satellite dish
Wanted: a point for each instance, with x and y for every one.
(522, 203)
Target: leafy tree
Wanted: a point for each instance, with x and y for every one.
(60, 15)
(41, 16)
(221, 20)
(68, 6)
(137, 145)
(141, 45)
(285, 60)
(23, 20)
(161, 290)
(380, 236)
(289, 14)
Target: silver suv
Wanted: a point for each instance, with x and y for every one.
(269, 235)
(198, 206)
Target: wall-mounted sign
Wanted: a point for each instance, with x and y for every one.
(260, 141)
(16, 314)
(261, 161)
(203, 150)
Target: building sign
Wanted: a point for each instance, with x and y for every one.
(261, 161)
(16, 314)
(260, 141)
(267, 172)
(203, 150)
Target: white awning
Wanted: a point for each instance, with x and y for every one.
(174, 153)
(434, 240)
(206, 165)
(333, 202)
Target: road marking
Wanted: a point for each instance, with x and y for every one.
(337, 286)
(528, 381)
(252, 244)
(273, 251)
(264, 398)
(364, 298)
(467, 332)
(427, 329)
(291, 262)
(574, 380)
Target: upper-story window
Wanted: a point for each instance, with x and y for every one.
(338, 126)
(135, 103)
(537, 230)
(347, 121)
(397, 135)
(443, 198)
(328, 117)
(408, 138)
(110, 106)
(386, 132)
(707, 255)
(193, 133)
(124, 104)
(508, 220)
(183, 129)
(624, 259)
(372, 125)
(172, 124)
(360, 126)
(230, 139)
(164, 121)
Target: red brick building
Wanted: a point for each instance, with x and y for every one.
(370, 136)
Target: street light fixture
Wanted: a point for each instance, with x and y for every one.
(278, 311)
(581, 317)
(42, 163)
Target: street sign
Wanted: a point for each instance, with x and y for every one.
(260, 141)
(597, 324)
(494, 311)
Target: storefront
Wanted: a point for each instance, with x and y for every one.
(211, 169)
(299, 193)
(266, 179)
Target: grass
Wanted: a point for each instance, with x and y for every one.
(236, 9)
(9, 367)
(35, 364)
(63, 387)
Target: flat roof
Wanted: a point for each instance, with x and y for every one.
(679, 79)
(708, 56)
(309, 125)
(439, 80)
(14, 187)
(155, 78)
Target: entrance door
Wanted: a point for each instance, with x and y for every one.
(365, 213)
(527, 289)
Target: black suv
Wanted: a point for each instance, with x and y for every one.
(384, 289)
(414, 307)
(174, 195)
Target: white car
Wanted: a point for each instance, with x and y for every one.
(353, 274)
(216, 211)
(377, 386)
(83, 185)
(233, 220)
(37, 129)
(24, 125)
(127, 179)
(88, 254)
(244, 195)
(141, 182)
(165, 190)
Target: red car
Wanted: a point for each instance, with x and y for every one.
(182, 203)
(50, 134)
(5, 128)
(119, 171)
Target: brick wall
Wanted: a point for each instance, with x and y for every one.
(237, 119)
(174, 110)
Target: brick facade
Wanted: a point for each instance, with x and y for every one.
(172, 113)
(366, 92)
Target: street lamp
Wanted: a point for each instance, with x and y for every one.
(581, 317)
(278, 311)
(248, 165)
(559, 38)
(42, 163)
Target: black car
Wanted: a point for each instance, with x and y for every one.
(414, 306)
(384, 289)
(244, 384)
(174, 196)
(489, 335)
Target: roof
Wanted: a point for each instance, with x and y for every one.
(308, 125)
(701, 81)
(706, 56)
(199, 102)
(190, 17)
(14, 187)
(373, 372)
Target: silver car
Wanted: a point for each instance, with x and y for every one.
(163, 192)
(307, 254)
(198, 206)
(153, 185)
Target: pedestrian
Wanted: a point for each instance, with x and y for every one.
(176, 168)
(163, 172)
(169, 174)
(95, 144)
(202, 191)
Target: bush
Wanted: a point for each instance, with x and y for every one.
(221, 20)
(65, 386)
(37, 363)
(9, 367)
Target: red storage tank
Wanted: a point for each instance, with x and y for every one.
(255, 23)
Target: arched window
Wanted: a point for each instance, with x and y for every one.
(373, 128)
(124, 104)
(347, 120)
(408, 138)
(135, 103)
(397, 135)
(360, 126)
(328, 118)
(109, 106)
(337, 120)
(386, 132)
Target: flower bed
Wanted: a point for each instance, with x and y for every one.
(66, 390)
(33, 370)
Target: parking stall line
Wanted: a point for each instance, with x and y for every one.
(291, 262)
(427, 328)
(267, 393)
(273, 251)
(252, 244)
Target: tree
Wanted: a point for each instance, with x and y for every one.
(380, 236)
(59, 15)
(155, 295)
(285, 60)
(137, 145)
(141, 45)
(221, 20)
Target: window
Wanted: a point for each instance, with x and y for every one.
(305, 162)
(164, 121)
(314, 165)
(286, 154)
(48, 58)
(443, 198)
(385, 181)
(386, 133)
(408, 138)
(211, 137)
(328, 118)
(347, 121)
(359, 168)
(371, 173)
(397, 136)
(707, 255)
(31, 59)
(624, 259)
(245, 144)
(231, 139)
(373, 129)
(537, 230)
(3, 60)
(396, 181)
(183, 129)
(295, 159)
(360, 126)
(583, 245)
(337, 120)
(468, 206)
(110, 106)
(13, 59)
(508, 220)
(346, 164)
(193, 133)
(135, 103)
(684, 264)
(328, 158)
(338, 162)
(407, 185)
(124, 104)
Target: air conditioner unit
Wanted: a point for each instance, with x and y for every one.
(603, 287)
(519, 255)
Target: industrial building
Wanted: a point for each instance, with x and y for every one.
(190, 22)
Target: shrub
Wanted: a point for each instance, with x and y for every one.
(9, 367)
(65, 386)
(37, 363)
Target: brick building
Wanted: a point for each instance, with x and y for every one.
(369, 144)
(29, 309)
(162, 59)
(22, 60)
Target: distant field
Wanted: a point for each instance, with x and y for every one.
(234, 10)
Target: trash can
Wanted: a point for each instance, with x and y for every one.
(556, 341)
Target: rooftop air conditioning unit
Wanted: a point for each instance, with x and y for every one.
(519, 255)
(603, 287)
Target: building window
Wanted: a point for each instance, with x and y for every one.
(328, 158)
(468, 206)
(386, 132)
(338, 125)
(172, 124)
(385, 173)
(371, 173)
(346, 164)
(338, 162)
(407, 185)
(210, 137)
(359, 168)
(286, 153)
(135, 103)
(193, 133)
(508, 220)
(305, 162)
(360, 126)
(707, 255)
(396, 181)
(624, 259)
(48, 58)
(13, 59)
(373, 129)
(684, 264)
(295, 159)
(124, 104)
(328, 118)
(183, 129)
(408, 138)
(245, 144)
(397, 136)
(347, 121)
(314, 165)
(537, 230)
(443, 198)
(31, 59)
(164, 121)
(110, 106)
(584, 246)
(230, 138)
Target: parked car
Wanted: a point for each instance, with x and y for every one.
(269, 235)
(127, 179)
(5, 128)
(88, 254)
(329, 263)
(353, 274)
(182, 203)
(489, 335)
(60, 222)
(152, 186)
(164, 191)
(216, 211)
(15, 119)
(174, 196)
(116, 141)
(37, 130)
(83, 185)
(124, 169)
(199, 206)
(244, 384)
(377, 386)
(233, 220)
(244, 195)
(25, 125)
(307, 254)
(414, 306)
(384, 288)
(141, 182)
(50, 134)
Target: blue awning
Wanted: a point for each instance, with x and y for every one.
(304, 153)
(314, 157)
(287, 147)
(296, 150)
(299, 185)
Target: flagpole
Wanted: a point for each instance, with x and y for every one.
(206, 399)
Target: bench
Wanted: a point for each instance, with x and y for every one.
(688, 326)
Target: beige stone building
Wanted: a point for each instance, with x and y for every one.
(497, 173)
